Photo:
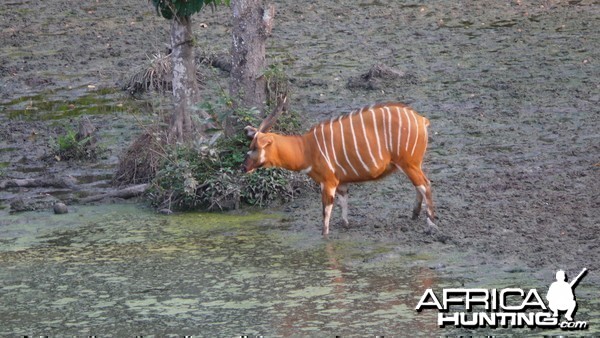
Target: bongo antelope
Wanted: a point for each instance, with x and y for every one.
(364, 145)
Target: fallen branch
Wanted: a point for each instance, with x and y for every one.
(125, 193)
(55, 182)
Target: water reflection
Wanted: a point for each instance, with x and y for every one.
(377, 299)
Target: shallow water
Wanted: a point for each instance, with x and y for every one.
(123, 270)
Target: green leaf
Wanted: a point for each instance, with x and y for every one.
(170, 8)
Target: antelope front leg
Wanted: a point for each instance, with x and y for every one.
(342, 195)
(327, 196)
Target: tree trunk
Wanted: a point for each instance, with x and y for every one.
(185, 88)
(252, 24)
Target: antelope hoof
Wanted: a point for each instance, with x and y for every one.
(415, 214)
(431, 227)
(345, 223)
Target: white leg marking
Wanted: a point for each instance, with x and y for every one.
(376, 127)
(422, 190)
(399, 129)
(344, 145)
(333, 148)
(327, 209)
(321, 150)
(356, 144)
(326, 217)
(408, 128)
(362, 121)
(416, 134)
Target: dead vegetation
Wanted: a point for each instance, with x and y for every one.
(140, 162)
(156, 76)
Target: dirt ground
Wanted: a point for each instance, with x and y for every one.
(511, 89)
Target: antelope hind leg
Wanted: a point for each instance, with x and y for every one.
(423, 186)
(418, 204)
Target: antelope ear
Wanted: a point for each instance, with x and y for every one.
(264, 141)
(250, 132)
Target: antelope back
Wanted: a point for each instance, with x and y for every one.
(362, 144)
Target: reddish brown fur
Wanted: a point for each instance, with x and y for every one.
(377, 140)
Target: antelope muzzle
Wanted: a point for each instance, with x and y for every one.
(249, 165)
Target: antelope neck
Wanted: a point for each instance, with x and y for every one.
(290, 152)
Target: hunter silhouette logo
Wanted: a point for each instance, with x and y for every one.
(561, 295)
(513, 307)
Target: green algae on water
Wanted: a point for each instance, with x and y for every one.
(50, 106)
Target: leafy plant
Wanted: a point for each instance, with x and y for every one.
(192, 175)
(170, 8)
(277, 83)
(210, 178)
(265, 186)
(67, 142)
(70, 147)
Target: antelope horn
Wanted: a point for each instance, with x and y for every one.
(270, 120)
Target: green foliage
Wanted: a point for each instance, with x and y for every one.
(67, 141)
(69, 147)
(266, 185)
(193, 176)
(277, 83)
(288, 123)
(3, 166)
(211, 178)
(222, 108)
(172, 8)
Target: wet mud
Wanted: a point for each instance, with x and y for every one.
(511, 89)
